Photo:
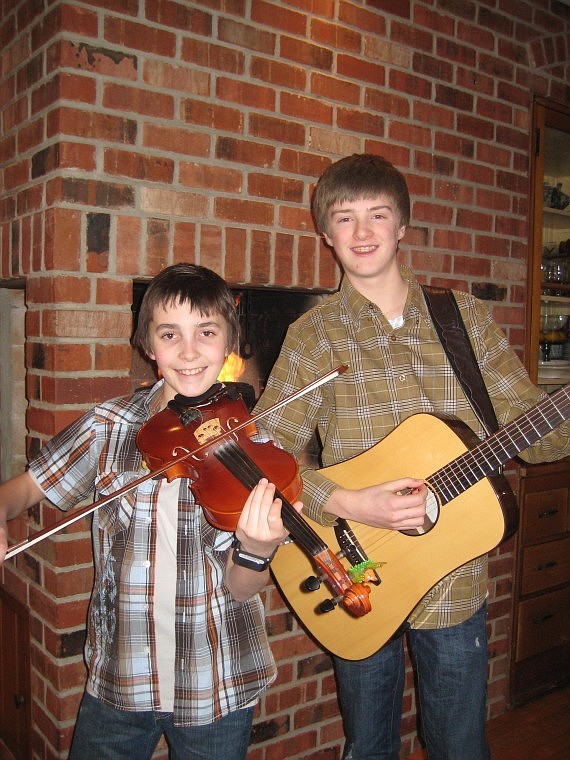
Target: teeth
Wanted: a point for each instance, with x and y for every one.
(365, 249)
(189, 372)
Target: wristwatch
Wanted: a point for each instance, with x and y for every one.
(251, 561)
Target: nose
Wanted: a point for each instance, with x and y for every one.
(188, 349)
(362, 229)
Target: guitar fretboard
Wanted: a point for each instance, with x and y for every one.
(487, 457)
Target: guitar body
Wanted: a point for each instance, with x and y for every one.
(471, 524)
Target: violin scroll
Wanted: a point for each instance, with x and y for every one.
(355, 597)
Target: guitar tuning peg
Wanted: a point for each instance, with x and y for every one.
(327, 606)
(312, 583)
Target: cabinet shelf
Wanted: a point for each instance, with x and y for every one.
(559, 287)
(564, 213)
(551, 298)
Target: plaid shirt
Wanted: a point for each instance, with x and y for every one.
(392, 374)
(223, 659)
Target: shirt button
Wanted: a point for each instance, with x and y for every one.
(401, 378)
(393, 338)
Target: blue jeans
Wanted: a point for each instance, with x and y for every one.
(451, 670)
(103, 733)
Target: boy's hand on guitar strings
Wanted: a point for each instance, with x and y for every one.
(395, 505)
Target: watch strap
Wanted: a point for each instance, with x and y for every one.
(251, 561)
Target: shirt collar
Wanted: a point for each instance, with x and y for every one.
(358, 307)
(153, 400)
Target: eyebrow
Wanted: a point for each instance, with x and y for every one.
(172, 325)
(372, 208)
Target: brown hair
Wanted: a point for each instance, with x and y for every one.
(197, 286)
(362, 175)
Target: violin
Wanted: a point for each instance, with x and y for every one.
(209, 440)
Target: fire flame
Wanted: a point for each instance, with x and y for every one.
(232, 370)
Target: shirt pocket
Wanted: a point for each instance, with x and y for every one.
(116, 515)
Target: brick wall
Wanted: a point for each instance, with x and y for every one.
(172, 131)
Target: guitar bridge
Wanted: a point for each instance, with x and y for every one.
(351, 548)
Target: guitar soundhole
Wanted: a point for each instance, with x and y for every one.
(432, 514)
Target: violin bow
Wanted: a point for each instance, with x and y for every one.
(90, 508)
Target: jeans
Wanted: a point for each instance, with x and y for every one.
(104, 733)
(451, 669)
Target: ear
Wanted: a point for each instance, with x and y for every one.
(401, 232)
(328, 240)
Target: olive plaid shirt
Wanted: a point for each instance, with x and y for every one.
(392, 374)
(223, 659)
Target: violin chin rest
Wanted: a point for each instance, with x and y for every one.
(181, 402)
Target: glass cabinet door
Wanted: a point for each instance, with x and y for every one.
(549, 328)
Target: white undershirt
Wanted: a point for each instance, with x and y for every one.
(165, 590)
(397, 322)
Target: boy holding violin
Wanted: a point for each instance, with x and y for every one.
(176, 641)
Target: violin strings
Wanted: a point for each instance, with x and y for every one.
(240, 464)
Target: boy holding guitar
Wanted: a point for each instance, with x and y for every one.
(379, 325)
(176, 640)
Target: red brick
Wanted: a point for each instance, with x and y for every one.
(184, 242)
(139, 101)
(246, 212)
(279, 188)
(137, 166)
(246, 36)
(112, 357)
(280, 17)
(278, 73)
(91, 58)
(305, 53)
(211, 56)
(236, 253)
(145, 37)
(213, 115)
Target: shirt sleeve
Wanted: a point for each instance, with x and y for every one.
(65, 468)
(510, 388)
(299, 363)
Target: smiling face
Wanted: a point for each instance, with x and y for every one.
(189, 348)
(365, 234)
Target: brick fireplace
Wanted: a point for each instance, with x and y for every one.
(171, 131)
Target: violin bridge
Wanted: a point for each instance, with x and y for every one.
(208, 430)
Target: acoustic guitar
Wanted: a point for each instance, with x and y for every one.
(470, 510)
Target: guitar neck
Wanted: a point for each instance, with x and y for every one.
(489, 455)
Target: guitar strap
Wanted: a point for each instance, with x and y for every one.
(453, 336)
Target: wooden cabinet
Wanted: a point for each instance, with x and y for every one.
(541, 594)
(541, 634)
(15, 694)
